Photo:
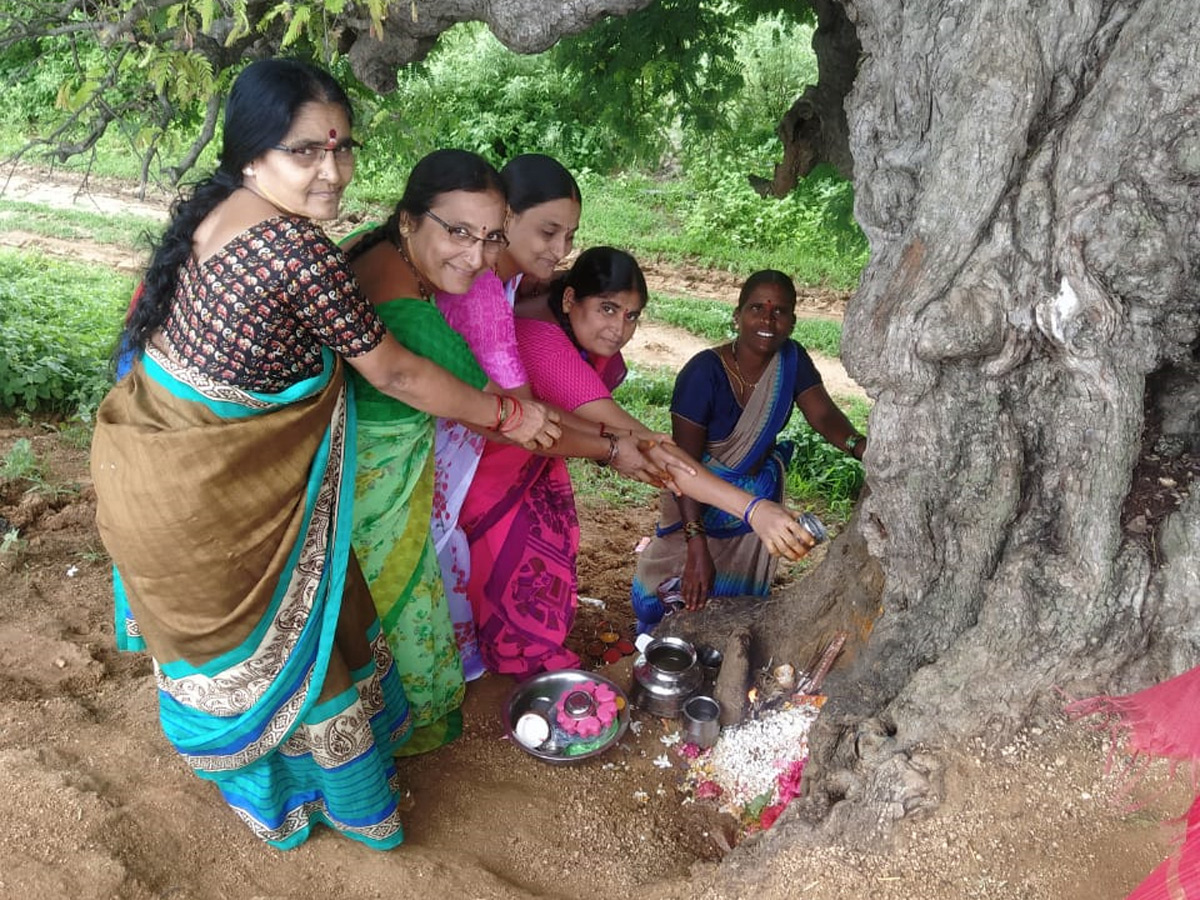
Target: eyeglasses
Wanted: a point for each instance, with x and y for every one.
(493, 241)
(312, 155)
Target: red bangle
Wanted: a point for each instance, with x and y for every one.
(499, 413)
(514, 418)
(613, 449)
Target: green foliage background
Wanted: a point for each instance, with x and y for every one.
(58, 326)
(661, 115)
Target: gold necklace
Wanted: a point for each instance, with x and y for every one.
(423, 287)
(746, 385)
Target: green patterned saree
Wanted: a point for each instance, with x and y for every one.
(394, 495)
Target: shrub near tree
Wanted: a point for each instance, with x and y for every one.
(58, 326)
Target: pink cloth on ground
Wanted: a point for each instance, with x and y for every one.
(1161, 721)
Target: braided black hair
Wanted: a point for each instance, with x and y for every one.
(262, 104)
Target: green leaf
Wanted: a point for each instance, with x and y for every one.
(301, 15)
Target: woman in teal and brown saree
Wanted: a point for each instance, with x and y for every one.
(226, 514)
(224, 464)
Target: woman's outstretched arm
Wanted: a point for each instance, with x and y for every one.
(774, 524)
(426, 386)
(829, 421)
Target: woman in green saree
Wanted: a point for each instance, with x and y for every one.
(398, 265)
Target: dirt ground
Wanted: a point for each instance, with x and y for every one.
(99, 805)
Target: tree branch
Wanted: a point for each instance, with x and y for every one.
(814, 130)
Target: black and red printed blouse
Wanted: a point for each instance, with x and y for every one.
(257, 312)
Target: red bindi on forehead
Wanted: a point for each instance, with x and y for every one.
(332, 142)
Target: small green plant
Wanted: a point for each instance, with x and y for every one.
(58, 326)
(20, 463)
(93, 555)
(11, 546)
(76, 432)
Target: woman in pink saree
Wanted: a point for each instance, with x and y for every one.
(544, 206)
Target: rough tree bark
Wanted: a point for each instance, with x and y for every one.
(1029, 179)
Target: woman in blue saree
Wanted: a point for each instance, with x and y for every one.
(224, 464)
(729, 406)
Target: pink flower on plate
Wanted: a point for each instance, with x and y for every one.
(600, 715)
(708, 790)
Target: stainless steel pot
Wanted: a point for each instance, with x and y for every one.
(665, 675)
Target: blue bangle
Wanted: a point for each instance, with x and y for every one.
(750, 509)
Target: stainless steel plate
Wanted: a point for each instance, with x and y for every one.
(539, 694)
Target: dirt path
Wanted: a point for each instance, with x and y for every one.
(99, 806)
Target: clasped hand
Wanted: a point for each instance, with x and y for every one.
(652, 458)
(539, 427)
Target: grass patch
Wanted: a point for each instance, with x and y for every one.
(820, 336)
(58, 324)
(821, 477)
(709, 319)
(719, 222)
(117, 229)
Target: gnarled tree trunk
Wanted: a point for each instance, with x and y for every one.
(1029, 180)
